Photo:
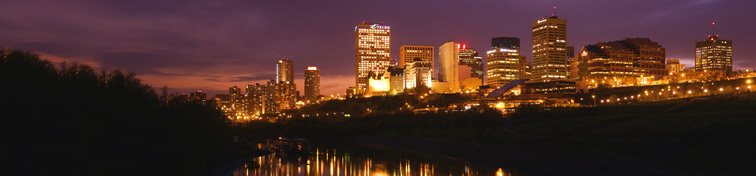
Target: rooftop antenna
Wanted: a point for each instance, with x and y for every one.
(713, 24)
(555, 10)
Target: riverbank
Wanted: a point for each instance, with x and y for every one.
(706, 135)
(228, 168)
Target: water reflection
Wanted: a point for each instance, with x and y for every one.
(325, 161)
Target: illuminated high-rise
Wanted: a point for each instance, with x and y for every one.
(279, 96)
(469, 57)
(285, 71)
(372, 52)
(505, 42)
(235, 97)
(312, 83)
(714, 54)
(448, 71)
(504, 63)
(417, 73)
(255, 95)
(408, 53)
(549, 49)
(620, 63)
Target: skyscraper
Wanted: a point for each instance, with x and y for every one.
(256, 98)
(285, 71)
(549, 49)
(312, 83)
(270, 105)
(279, 96)
(570, 58)
(469, 57)
(504, 63)
(418, 73)
(408, 53)
(505, 42)
(448, 66)
(372, 52)
(619, 63)
(235, 96)
(714, 54)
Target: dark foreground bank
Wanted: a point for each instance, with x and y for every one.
(709, 135)
(69, 119)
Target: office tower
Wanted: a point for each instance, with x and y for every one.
(619, 63)
(469, 57)
(312, 83)
(372, 51)
(279, 96)
(448, 66)
(579, 65)
(286, 96)
(255, 95)
(528, 67)
(674, 66)
(269, 102)
(549, 49)
(714, 54)
(505, 42)
(198, 96)
(408, 53)
(285, 71)
(504, 63)
(418, 72)
(570, 58)
(396, 80)
(235, 98)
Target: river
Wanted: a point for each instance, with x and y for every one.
(351, 160)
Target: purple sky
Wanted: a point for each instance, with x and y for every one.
(212, 45)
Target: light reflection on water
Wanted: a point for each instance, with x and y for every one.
(333, 162)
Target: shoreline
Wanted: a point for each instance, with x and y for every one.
(228, 168)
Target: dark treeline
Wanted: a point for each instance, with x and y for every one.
(371, 123)
(72, 120)
(383, 104)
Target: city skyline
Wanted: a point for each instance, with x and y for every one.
(169, 58)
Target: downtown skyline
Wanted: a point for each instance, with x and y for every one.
(205, 53)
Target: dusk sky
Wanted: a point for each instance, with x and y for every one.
(211, 45)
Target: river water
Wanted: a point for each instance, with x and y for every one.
(358, 161)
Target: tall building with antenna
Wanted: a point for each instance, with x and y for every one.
(714, 54)
(549, 49)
